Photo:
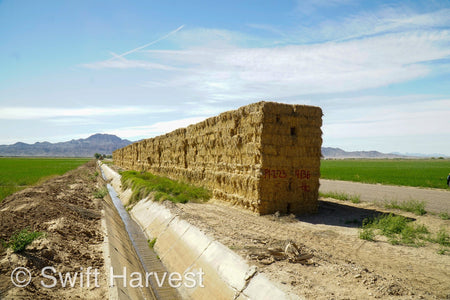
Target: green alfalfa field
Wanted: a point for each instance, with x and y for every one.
(430, 173)
(18, 173)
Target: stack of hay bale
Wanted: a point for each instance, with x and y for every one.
(264, 157)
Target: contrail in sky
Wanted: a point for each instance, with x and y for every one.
(146, 45)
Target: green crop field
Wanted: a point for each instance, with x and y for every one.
(18, 173)
(409, 172)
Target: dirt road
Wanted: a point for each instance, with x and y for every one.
(342, 265)
(436, 200)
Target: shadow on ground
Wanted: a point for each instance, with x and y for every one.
(340, 214)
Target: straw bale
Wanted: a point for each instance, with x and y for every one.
(264, 157)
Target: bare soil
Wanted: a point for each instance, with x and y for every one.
(342, 265)
(65, 209)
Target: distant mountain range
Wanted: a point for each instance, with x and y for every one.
(328, 152)
(107, 143)
(97, 143)
(421, 154)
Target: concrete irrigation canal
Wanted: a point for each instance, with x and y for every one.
(127, 252)
(198, 266)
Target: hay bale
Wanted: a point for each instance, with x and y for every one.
(264, 157)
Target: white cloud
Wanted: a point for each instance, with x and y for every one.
(211, 37)
(29, 113)
(128, 64)
(207, 110)
(268, 28)
(73, 121)
(383, 21)
(386, 47)
(306, 69)
(139, 132)
(388, 120)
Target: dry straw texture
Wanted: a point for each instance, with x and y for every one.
(264, 157)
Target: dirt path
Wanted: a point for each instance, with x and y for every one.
(65, 209)
(342, 265)
(436, 200)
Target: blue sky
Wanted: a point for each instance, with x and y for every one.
(380, 70)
